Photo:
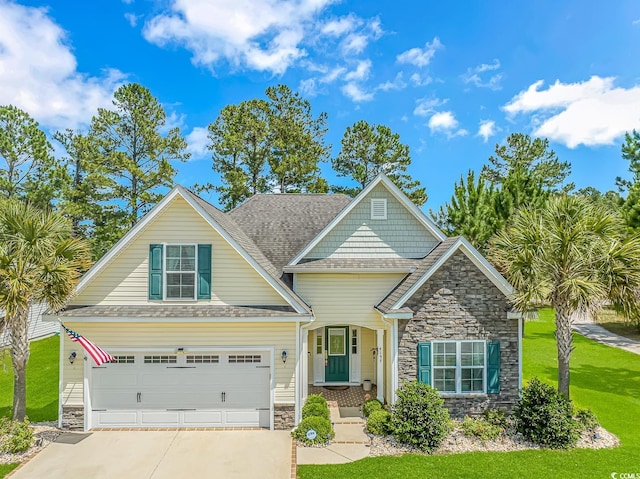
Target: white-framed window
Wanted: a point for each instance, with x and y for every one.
(123, 359)
(180, 262)
(319, 342)
(354, 341)
(244, 358)
(202, 359)
(161, 359)
(459, 367)
(378, 208)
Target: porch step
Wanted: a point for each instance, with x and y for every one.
(348, 425)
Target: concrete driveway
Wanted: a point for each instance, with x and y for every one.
(163, 455)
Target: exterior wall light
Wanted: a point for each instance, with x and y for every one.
(283, 356)
(72, 357)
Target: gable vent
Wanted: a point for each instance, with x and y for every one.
(378, 208)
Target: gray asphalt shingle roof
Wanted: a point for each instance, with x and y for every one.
(281, 225)
(423, 266)
(356, 263)
(178, 311)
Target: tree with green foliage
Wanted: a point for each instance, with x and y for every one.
(27, 170)
(85, 180)
(241, 145)
(368, 150)
(471, 212)
(39, 261)
(609, 199)
(631, 204)
(573, 254)
(297, 142)
(136, 153)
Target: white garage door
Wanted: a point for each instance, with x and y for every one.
(192, 389)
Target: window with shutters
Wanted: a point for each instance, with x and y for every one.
(378, 208)
(459, 367)
(180, 271)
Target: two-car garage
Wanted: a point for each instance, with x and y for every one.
(182, 388)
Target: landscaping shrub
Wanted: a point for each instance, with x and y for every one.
(315, 398)
(369, 406)
(315, 408)
(419, 417)
(378, 422)
(586, 419)
(15, 436)
(545, 416)
(497, 417)
(320, 425)
(480, 428)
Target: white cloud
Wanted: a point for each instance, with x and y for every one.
(264, 35)
(339, 26)
(197, 142)
(420, 57)
(308, 87)
(354, 44)
(427, 106)
(356, 93)
(592, 112)
(445, 122)
(636, 22)
(38, 71)
(419, 80)
(486, 129)
(361, 72)
(132, 18)
(398, 83)
(474, 75)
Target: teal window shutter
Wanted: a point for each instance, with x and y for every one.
(424, 363)
(204, 271)
(493, 367)
(155, 271)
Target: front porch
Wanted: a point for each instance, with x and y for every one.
(344, 396)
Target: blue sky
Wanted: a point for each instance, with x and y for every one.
(453, 78)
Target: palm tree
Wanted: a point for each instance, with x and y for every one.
(572, 254)
(39, 261)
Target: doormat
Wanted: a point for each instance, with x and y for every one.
(336, 388)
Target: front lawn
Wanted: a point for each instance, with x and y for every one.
(42, 381)
(605, 379)
(609, 320)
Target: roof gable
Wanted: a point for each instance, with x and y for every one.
(219, 222)
(380, 183)
(396, 299)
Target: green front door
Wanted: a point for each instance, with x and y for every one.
(337, 354)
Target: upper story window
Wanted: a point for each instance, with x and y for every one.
(179, 271)
(378, 208)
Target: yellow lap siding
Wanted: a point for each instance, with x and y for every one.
(125, 279)
(111, 336)
(346, 298)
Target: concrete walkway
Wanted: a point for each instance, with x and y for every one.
(349, 444)
(163, 455)
(600, 334)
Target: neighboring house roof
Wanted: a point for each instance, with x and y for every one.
(226, 227)
(387, 265)
(282, 224)
(395, 191)
(431, 263)
(36, 327)
(179, 311)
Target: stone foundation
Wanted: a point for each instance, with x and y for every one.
(73, 418)
(284, 416)
(459, 302)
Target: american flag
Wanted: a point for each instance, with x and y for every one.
(98, 354)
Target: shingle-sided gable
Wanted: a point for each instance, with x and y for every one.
(357, 235)
(123, 279)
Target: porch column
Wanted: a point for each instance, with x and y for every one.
(380, 365)
(304, 359)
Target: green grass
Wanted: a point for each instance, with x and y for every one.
(609, 320)
(605, 379)
(6, 469)
(42, 381)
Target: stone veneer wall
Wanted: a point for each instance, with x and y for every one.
(284, 416)
(460, 302)
(73, 418)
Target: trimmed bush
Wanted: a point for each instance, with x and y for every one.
(315, 408)
(315, 398)
(378, 422)
(15, 436)
(586, 419)
(322, 427)
(419, 417)
(497, 417)
(545, 416)
(369, 406)
(480, 428)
